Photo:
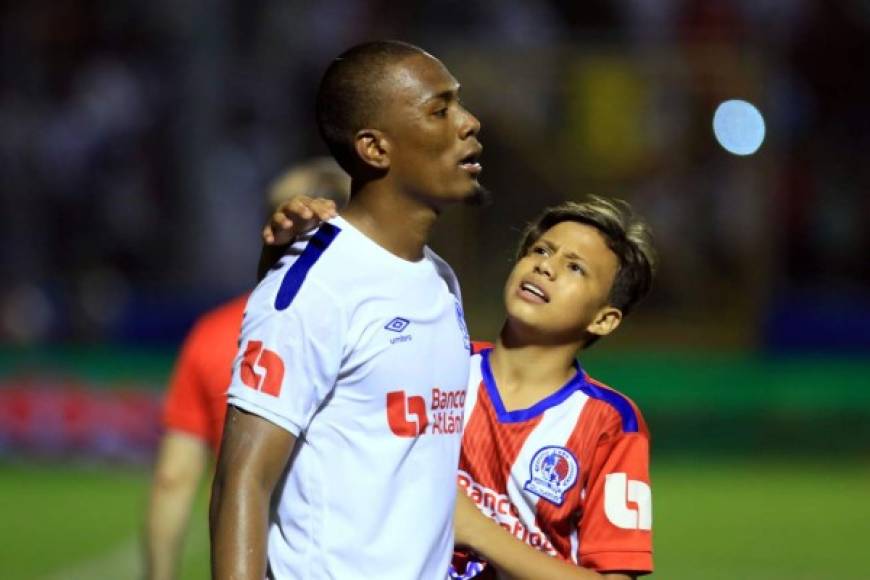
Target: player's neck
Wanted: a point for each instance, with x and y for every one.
(534, 369)
(397, 223)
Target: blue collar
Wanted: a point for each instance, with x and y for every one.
(627, 413)
(575, 383)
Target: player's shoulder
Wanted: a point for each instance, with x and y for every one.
(314, 268)
(614, 404)
(335, 254)
(321, 253)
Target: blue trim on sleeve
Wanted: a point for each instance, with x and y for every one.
(296, 273)
(615, 400)
(577, 383)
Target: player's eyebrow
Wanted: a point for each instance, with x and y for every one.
(446, 95)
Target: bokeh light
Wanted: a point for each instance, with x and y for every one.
(739, 127)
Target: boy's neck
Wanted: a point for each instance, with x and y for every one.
(528, 373)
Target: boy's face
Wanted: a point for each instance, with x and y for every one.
(559, 290)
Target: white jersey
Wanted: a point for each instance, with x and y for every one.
(364, 357)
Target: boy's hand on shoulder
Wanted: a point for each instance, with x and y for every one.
(296, 217)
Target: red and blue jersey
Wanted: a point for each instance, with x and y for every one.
(569, 475)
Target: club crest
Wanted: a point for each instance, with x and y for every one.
(552, 472)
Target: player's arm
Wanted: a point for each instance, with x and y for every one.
(254, 453)
(292, 218)
(181, 462)
(512, 557)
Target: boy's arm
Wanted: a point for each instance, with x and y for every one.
(513, 558)
(292, 218)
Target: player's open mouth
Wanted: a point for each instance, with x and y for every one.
(471, 163)
(532, 293)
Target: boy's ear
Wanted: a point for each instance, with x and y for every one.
(373, 148)
(606, 321)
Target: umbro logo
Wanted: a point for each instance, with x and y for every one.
(398, 324)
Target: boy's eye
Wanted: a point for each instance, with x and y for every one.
(541, 250)
(574, 267)
(441, 112)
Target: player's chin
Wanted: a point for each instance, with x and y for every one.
(477, 195)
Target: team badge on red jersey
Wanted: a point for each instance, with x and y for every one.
(552, 472)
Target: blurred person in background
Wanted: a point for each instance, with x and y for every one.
(345, 340)
(196, 401)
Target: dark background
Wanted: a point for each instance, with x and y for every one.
(136, 140)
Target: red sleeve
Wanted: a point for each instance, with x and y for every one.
(186, 408)
(616, 528)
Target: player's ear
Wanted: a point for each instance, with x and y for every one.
(606, 321)
(373, 148)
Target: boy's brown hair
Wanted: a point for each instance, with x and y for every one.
(627, 235)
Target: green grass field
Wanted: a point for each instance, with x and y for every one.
(795, 520)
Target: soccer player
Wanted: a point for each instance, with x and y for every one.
(553, 462)
(329, 467)
(554, 465)
(196, 400)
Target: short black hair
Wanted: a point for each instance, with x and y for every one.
(349, 97)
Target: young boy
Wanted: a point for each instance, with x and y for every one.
(554, 465)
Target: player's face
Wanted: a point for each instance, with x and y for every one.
(559, 290)
(434, 148)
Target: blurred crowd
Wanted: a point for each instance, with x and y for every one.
(137, 138)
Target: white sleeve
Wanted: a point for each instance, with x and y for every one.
(288, 359)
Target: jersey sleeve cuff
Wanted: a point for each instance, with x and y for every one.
(640, 562)
(180, 422)
(266, 414)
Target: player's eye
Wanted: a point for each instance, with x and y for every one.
(540, 250)
(442, 112)
(576, 268)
